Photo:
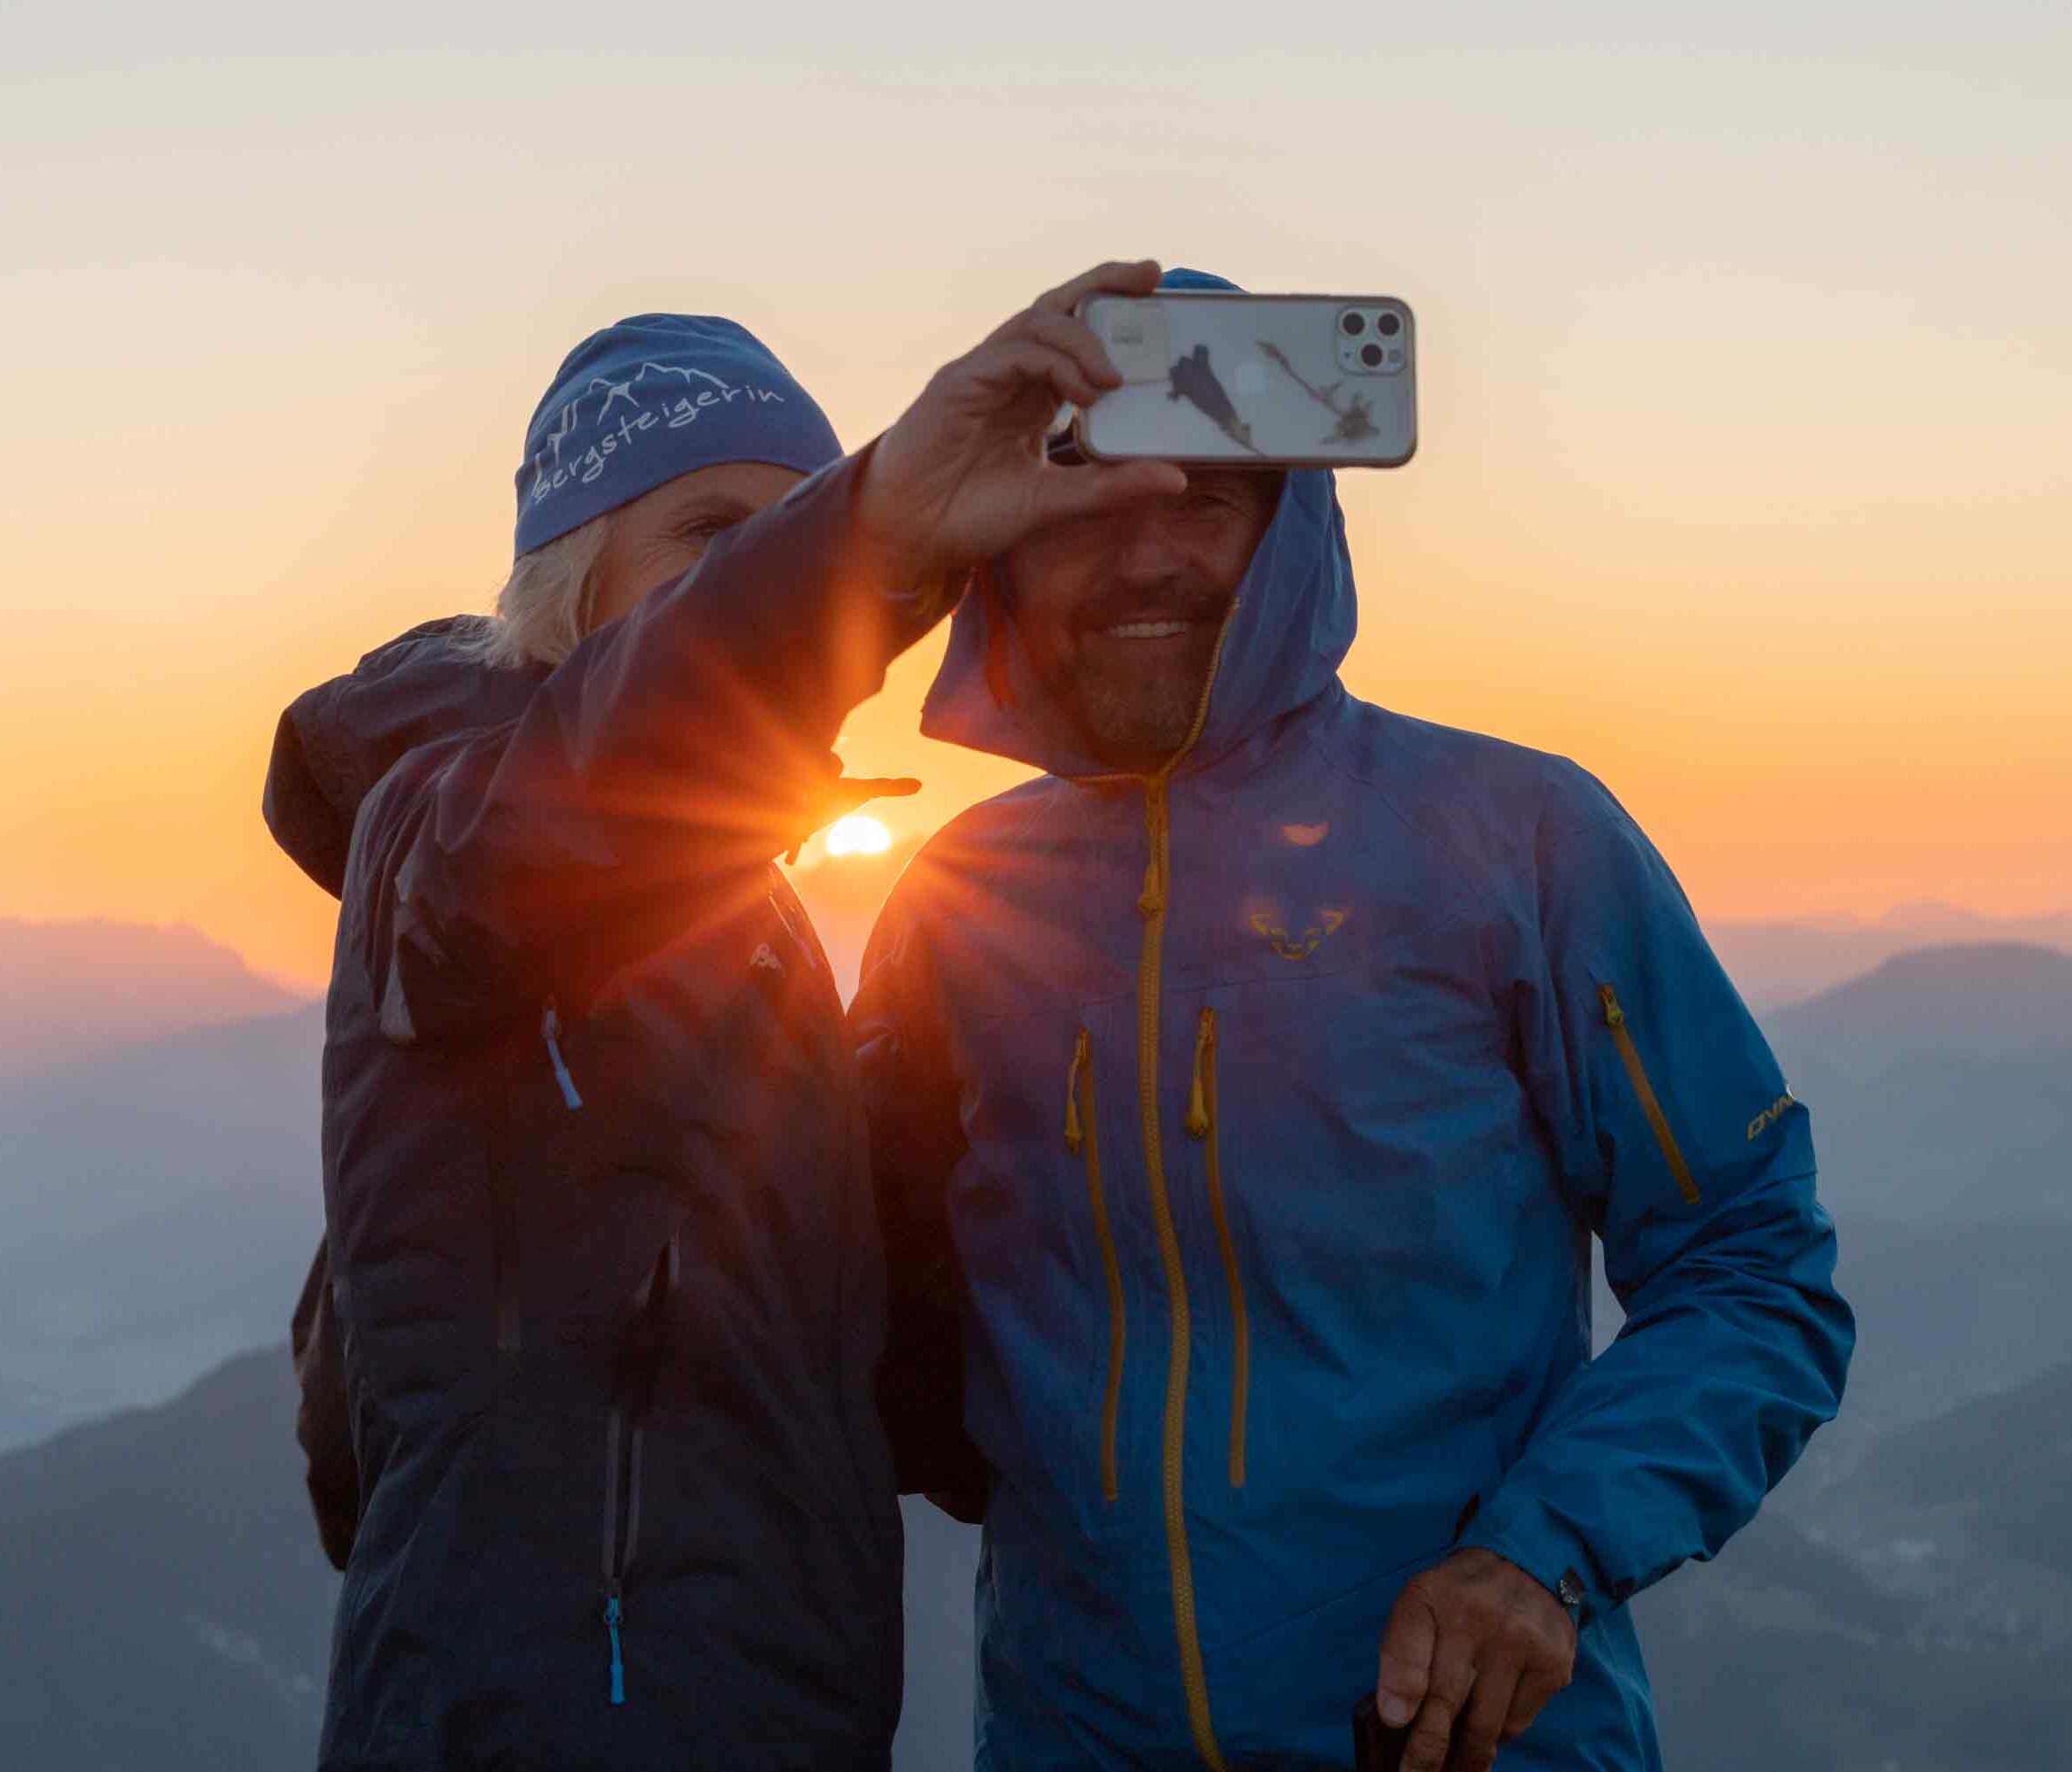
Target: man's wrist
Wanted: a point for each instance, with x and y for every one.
(919, 589)
(1551, 1564)
(879, 528)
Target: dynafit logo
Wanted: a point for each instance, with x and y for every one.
(1301, 945)
(1771, 1115)
(579, 449)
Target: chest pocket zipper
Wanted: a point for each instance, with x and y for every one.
(625, 1437)
(1083, 1140)
(1649, 1103)
(1202, 1106)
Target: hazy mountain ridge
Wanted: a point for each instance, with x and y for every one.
(1777, 960)
(166, 1603)
(1779, 1656)
(77, 990)
(160, 1204)
(1940, 1084)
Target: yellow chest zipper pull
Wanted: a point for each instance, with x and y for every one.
(1074, 1134)
(1151, 901)
(1197, 1096)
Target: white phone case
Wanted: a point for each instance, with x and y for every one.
(1213, 378)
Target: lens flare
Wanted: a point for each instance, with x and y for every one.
(858, 834)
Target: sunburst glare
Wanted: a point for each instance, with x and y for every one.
(858, 834)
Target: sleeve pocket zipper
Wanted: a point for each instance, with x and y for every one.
(1082, 1139)
(1649, 1103)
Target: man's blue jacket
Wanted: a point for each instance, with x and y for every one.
(1255, 1120)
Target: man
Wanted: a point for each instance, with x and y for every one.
(599, 1236)
(1254, 1081)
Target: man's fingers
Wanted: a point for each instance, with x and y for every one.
(1063, 493)
(1530, 1698)
(1118, 276)
(1478, 1731)
(1453, 1678)
(1009, 362)
(1407, 1645)
(1072, 336)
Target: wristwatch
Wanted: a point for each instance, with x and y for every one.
(1569, 1591)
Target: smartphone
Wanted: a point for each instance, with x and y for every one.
(1376, 1746)
(1215, 377)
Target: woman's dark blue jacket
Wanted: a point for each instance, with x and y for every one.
(599, 1219)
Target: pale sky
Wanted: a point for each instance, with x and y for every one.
(1746, 471)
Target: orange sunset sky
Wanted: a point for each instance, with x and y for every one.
(1746, 378)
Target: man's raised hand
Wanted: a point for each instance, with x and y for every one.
(1473, 1652)
(963, 474)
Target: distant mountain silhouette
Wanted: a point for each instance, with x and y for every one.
(164, 1602)
(78, 990)
(160, 1205)
(1783, 1656)
(1940, 1085)
(1991, 1000)
(1994, 1477)
(1782, 960)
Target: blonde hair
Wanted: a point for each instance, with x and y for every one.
(543, 609)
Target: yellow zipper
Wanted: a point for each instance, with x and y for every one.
(1629, 1053)
(1201, 1109)
(1082, 1133)
(1151, 905)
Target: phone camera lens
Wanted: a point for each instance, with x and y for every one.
(1388, 325)
(1353, 324)
(1370, 355)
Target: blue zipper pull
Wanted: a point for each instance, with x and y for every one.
(550, 1029)
(612, 1617)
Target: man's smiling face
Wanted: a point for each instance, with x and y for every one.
(1120, 612)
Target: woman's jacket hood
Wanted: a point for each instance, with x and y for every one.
(337, 740)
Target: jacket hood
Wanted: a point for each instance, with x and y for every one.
(338, 740)
(1294, 618)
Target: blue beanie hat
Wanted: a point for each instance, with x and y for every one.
(653, 397)
(1179, 277)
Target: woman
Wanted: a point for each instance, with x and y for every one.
(599, 1228)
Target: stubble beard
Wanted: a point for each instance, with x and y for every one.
(1142, 718)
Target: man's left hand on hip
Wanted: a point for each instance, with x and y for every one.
(1473, 1650)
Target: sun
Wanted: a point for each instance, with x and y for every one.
(858, 834)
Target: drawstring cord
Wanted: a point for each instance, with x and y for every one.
(1151, 901)
(1201, 1124)
(1197, 1096)
(1074, 1134)
(1081, 1139)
